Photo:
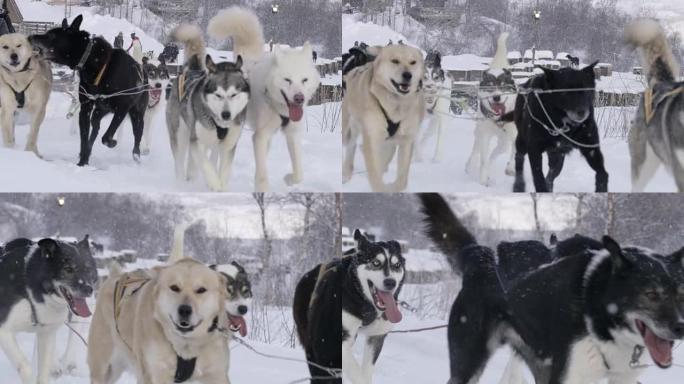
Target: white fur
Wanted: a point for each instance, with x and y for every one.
(480, 160)
(500, 60)
(436, 121)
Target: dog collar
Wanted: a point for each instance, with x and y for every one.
(184, 369)
(86, 54)
(26, 67)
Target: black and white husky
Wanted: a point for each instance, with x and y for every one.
(374, 273)
(586, 316)
(496, 96)
(437, 87)
(656, 136)
(41, 282)
(205, 112)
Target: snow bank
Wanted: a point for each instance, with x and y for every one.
(371, 34)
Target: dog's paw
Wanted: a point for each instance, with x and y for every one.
(136, 158)
(291, 179)
(109, 142)
(510, 171)
(144, 151)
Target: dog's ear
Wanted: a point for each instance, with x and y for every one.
(238, 266)
(49, 247)
(209, 63)
(65, 24)
(553, 240)
(76, 24)
(548, 73)
(619, 260)
(590, 68)
(394, 247)
(238, 62)
(360, 238)
(307, 49)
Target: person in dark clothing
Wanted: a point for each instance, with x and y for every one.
(118, 41)
(5, 21)
(315, 56)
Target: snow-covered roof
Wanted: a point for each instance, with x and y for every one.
(541, 54)
(522, 65)
(561, 56)
(514, 55)
(466, 62)
(547, 62)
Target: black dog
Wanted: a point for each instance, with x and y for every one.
(609, 303)
(317, 311)
(110, 82)
(574, 61)
(556, 122)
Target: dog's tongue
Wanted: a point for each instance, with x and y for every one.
(498, 108)
(391, 310)
(80, 307)
(296, 111)
(239, 322)
(660, 349)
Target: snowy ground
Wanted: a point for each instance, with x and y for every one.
(113, 170)
(450, 175)
(423, 357)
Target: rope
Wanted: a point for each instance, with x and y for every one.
(420, 329)
(77, 334)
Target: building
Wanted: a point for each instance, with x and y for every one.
(514, 57)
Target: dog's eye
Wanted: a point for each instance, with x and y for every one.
(289, 81)
(305, 80)
(395, 61)
(5, 47)
(200, 290)
(652, 295)
(376, 263)
(175, 288)
(230, 290)
(413, 62)
(19, 46)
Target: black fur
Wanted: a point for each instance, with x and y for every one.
(26, 266)
(534, 139)
(319, 325)
(66, 45)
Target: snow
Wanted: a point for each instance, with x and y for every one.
(371, 34)
(514, 55)
(113, 170)
(424, 260)
(540, 54)
(465, 62)
(33, 10)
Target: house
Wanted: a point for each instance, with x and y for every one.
(514, 57)
(465, 67)
(538, 55)
(603, 69)
(562, 57)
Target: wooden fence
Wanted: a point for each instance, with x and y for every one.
(34, 27)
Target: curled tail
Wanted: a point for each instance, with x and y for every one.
(243, 26)
(191, 37)
(657, 58)
(115, 269)
(178, 244)
(445, 230)
(500, 60)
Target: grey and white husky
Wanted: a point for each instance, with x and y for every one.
(657, 134)
(205, 112)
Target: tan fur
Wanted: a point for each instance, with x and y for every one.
(191, 37)
(243, 26)
(146, 335)
(369, 86)
(38, 79)
(648, 35)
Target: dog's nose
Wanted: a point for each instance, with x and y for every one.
(88, 290)
(242, 309)
(407, 76)
(389, 283)
(225, 115)
(497, 98)
(679, 330)
(14, 57)
(158, 85)
(299, 98)
(184, 311)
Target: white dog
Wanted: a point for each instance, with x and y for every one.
(25, 83)
(497, 102)
(437, 84)
(281, 82)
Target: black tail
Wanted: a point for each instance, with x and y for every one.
(445, 230)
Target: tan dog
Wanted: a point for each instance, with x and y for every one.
(159, 321)
(384, 104)
(25, 83)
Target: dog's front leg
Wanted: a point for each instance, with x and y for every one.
(137, 116)
(32, 140)
(595, 159)
(84, 131)
(294, 146)
(556, 160)
(403, 165)
(46, 349)
(370, 355)
(537, 171)
(9, 345)
(350, 367)
(226, 166)
(261, 141)
(348, 165)
(372, 148)
(8, 127)
(199, 155)
(108, 137)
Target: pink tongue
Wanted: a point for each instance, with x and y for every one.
(239, 321)
(498, 108)
(296, 112)
(80, 307)
(660, 349)
(391, 310)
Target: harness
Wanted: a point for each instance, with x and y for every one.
(20, 95)
(86, 55)
(392, 127)
(655, 95)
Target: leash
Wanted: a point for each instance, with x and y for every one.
(415, 330)
(76, 333)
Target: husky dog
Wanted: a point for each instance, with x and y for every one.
(41, 282)
(497, 100)
(316, 311)
(373, 276)
(437, 85)
(158, 79)
(206, 111)
(282, 83)
(556, 123)
(25, 83)
(384, 103)
(103, 72)
(574, 61)
(583, 318)
(655, 137)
